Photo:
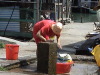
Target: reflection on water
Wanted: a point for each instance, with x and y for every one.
(84, 17)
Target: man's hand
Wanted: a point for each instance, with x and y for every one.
(50, 41)
(59, 46)
(40, 36)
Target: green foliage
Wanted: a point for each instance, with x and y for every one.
(2, 45)
(3, 69)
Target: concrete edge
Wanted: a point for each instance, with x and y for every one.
(83, 58)
(11, 64)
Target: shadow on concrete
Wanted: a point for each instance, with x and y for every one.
(71, 48)
(79, 48)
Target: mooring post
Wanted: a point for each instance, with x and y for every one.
(46, 57)
(81, 19)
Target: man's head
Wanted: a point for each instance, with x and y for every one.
(57, 28)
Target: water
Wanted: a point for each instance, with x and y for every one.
(79, 68)
(84, 69)
(84, 17)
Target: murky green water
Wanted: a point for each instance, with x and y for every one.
(84, 17)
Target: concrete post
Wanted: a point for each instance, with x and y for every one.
(46, 58)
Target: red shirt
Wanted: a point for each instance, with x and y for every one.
(45, 28)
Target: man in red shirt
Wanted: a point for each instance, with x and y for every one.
(45, 29)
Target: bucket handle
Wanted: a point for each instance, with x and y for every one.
(10, 48)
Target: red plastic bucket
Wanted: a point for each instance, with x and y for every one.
(63, 67)
(12, 51)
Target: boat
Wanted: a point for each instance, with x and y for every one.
(80, 9)
(92, 11)
(84, 6)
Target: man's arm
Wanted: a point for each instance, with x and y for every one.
(59, 42)
(40, 36)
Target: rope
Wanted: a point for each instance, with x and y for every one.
(9, 20)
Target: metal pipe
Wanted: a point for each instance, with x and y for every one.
(58, 9)
(62, 11)
(66, 8)
(38, 10)
(81, 14)
(9, 20)
(55, 11)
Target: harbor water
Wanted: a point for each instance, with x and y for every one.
(84, 17)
